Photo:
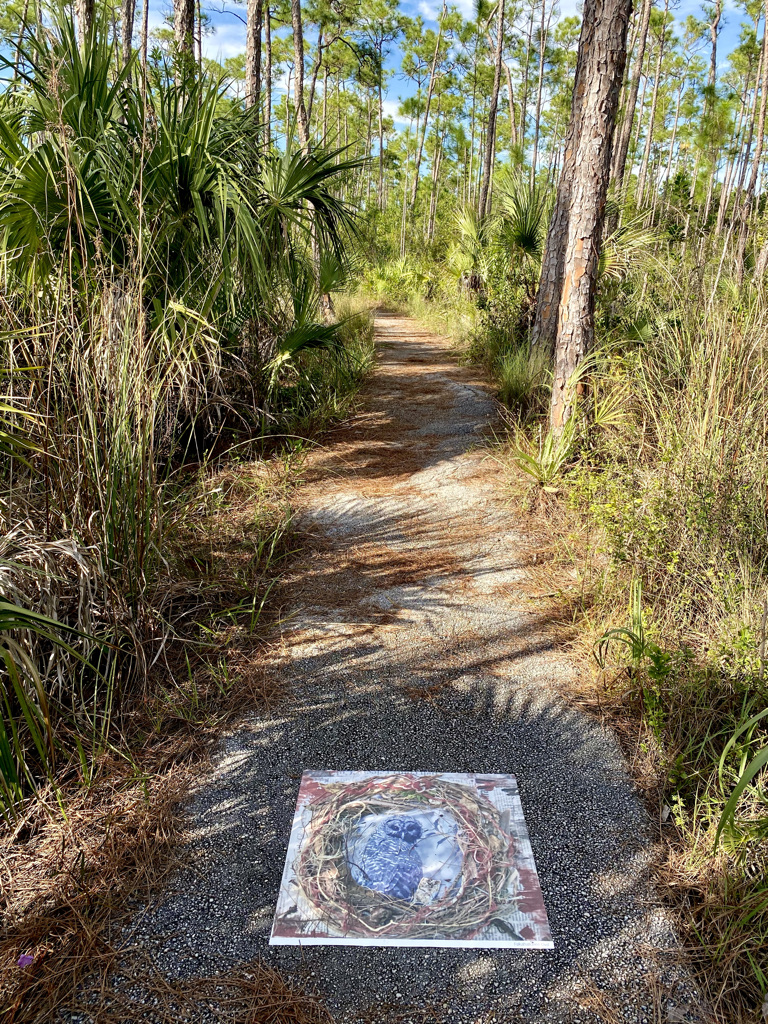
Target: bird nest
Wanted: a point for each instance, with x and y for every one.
(477, 894)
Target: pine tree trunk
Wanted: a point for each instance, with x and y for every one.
(652, 116)
(184, 25)
(711, 102)
(298, 88)
(84, 11)
(602, 55)
(144, 48)
(511, 99)
(380, 193)
(735, 147)
(543, 34)
(745, 210)
(316, 71)
(490, 143)
(253, 54)
(268, 74)
(526, 67)
(127, 14)
(544, 329)
(199, 36)
(625, 132)
(668, 169)
(430, 90)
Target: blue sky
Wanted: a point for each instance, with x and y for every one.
(228, 38)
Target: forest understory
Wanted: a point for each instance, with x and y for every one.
(191, 250)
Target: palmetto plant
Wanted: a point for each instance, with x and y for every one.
(157, 271)
(522, 216)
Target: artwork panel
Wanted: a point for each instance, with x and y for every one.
(410, 858)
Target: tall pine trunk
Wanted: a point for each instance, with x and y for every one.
(268, 74)
(652, 116)
(127, 14)
(621, 148)
(298, 88)
(430, 90)
(543, 34)
(526, 66)
(184, 25)
(380, 98)
(490, 142)
(511, 100)
(758, 156)
(254, 16)
(84, 12)
(602, 56)
(544, 329)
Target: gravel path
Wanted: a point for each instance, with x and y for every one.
(410, 644)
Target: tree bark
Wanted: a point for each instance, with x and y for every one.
(735, 148)
(543, 35)
(544, 329)
(255, 15)
(268, 74)
(322, 42)
(298, 88)
(758, 155)
(84, 12)
(524, 97)
(602, 54)
(430, 90)
(511, 99)
(625, 132)
(668, 170)
(380, 98)
(144, 48)
(713, 37)
(127, 14)
(652, 116)
(490, 143)
(183, 25)
(199, 36)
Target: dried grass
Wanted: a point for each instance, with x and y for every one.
(717, 910)
(68, 881)
(83, 858)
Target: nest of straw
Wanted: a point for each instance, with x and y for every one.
(479, 895)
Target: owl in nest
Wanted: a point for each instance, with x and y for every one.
(388, 862)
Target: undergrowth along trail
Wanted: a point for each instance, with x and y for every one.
(412, 639)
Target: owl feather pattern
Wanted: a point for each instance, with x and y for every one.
(389, 862)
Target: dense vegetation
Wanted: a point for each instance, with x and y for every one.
(171, 230)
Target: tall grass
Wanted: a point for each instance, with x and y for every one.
(663, 480)
(673, 484)
(160, 305)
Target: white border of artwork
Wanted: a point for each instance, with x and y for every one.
(524, 860)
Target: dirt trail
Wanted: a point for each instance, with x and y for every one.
(410, 644)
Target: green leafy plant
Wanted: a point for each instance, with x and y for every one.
(748, 771)
(544, 462)
(28, 741)
(645, 656)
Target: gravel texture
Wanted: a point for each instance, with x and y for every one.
(410, 643)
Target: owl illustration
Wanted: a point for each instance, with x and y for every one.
(388, 862)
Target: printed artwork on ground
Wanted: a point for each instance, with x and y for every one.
(410, 859)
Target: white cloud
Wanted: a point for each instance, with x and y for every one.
(227, 39)
(429, 11)
(390, 108)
